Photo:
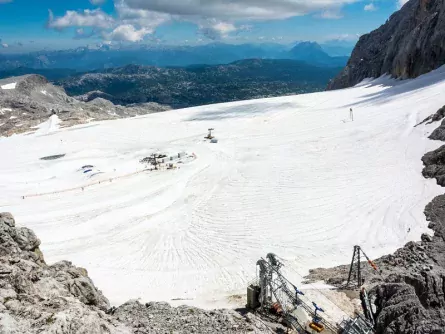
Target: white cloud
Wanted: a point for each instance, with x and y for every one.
(370, 7)
(97, 2)
(82, 33)
(214, 29)
(140, 17)
(331, 14)
(343, 37)
(135, 19)
(238, 9)
(86, 18)
(128, 33)
(4, 45)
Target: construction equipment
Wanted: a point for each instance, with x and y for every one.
(355, 269)
(366, 306)
(278, 294)
(276, 288)
(316, 320)
(209, 135)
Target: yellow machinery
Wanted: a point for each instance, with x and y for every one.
(316, 327)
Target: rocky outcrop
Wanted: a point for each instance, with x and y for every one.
(62, 299)
(410, 43)
(30, 100)
(411, 304)
(435, 165)
(413, 300)
(40, 298)
(162, 318)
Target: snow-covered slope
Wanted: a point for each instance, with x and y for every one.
(289, 175)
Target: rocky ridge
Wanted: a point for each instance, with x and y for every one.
(61, 299)
(29, 100)
(410, 43)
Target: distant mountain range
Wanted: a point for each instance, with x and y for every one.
(196, 85)
(313, 53)
(87, 59)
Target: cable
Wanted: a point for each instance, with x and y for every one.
(315, 288)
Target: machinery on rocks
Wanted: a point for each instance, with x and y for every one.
(277, 294)
(355, 269)
(355, 280)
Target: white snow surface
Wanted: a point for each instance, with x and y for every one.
(9, 86)
(289, 175)
(51, 125)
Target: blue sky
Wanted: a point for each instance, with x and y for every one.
(59, 24)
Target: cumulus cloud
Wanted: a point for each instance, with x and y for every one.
(214, 29)
(135, 19)
(140, 17)
(81, 33)
(4, 45)
(127, 32)
(86, 18)
(238, 9)
(370, 7)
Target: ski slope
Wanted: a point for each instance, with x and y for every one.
(289, 175)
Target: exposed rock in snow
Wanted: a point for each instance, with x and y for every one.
(435, 165)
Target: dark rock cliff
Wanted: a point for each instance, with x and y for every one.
(410, 43)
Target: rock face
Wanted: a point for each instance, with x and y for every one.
(30, 100)
(38, 298)
(62, 299)
(411, 304)
(410, 43)
(435, 165)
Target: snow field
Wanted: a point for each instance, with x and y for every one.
(288, 176)
(9, 86)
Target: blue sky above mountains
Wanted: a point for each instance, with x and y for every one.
(56, 24)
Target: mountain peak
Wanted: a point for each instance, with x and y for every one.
(308, 45)
(409, 44)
